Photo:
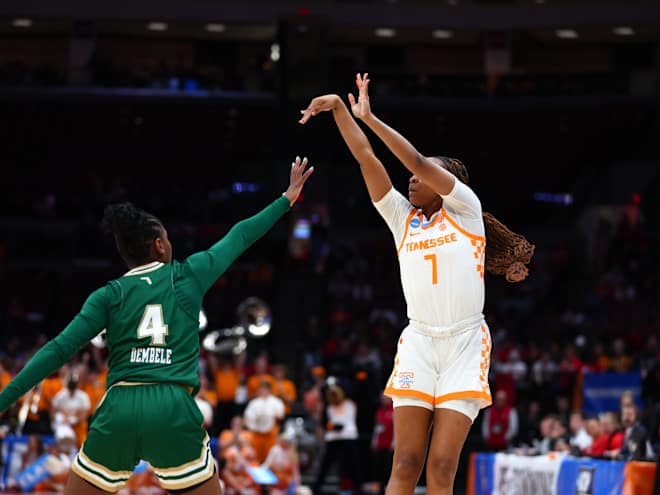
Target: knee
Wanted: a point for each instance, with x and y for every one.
(407, 465)
(441, 470)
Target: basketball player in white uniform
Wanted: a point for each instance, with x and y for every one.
(440, 374)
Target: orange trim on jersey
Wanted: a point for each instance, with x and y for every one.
(461, 229)
(435, 221)
(412, 394)
(405, 232)
(468, 394)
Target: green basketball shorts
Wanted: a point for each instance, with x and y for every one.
(156, 422)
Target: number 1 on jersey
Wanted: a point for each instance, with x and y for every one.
(152, 325)
(434, 266)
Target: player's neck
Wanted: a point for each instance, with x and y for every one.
(432, 208)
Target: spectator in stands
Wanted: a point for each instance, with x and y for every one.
(143, 482)
(548, 435)
(93, 384)
(383, 442)
(500, 423)
(282, 460)
(237, 436)
(621, 362)
(560, 437)
(61, 453)
(35, 449)
(636, 443)
(512, 369)
(71, 407)
(40, 421)
(5, 376)
(612, 427)
(600, 360)
(235, 475)
(226, 376)
(340, 437)
(544, 371)
(205, 407)
(579, 440)
(284, 388)
(530, 423)
(260, 375)
(627, 399)
(569, 367)
(563, 409)
(599, 440)
(313, 399)
(262, 417)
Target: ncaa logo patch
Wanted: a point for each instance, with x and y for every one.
(406, 378)
(584, 485)
(415, 223)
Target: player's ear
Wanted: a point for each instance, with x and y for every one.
(159, 247)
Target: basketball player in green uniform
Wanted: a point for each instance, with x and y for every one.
(152, 317)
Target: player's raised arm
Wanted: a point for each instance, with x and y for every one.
(207, 266)
(428, 170)
(86, 324)
(374, 174)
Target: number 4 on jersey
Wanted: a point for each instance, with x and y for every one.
(152, 325)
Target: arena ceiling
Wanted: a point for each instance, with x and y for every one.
(595, 21)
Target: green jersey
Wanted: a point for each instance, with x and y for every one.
(151, 315)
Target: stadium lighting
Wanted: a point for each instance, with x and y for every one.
(22, 23)
(385, 32)
(442, 34)
(623, 31)
(566, 34)
(157, 26)
(214, 27)
(203, 320)
(275, 52)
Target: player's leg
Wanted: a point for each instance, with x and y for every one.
(212, 486)
(461, 391)
(411, 431)
(107, 458)
(412, 388)
(174, 442)
(450, 429)
(75, 485)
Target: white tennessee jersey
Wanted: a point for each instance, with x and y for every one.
(441, 258)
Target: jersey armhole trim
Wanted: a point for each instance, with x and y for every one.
(461, 229)
(405, 232)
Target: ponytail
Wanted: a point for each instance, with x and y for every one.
(507, 253)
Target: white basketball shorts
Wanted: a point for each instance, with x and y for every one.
(442, 369)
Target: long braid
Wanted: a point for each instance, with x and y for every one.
(507, 253)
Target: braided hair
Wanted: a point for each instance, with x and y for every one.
(134, 231)
(507, 253)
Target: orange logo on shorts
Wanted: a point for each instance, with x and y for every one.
(406, 379)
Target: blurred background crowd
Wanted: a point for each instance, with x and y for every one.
(192, 116)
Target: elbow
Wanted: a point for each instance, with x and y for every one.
(418, 164)
(365, 155)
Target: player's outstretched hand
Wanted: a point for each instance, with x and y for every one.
(319, 104)
(298, 178)
(361, 108)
